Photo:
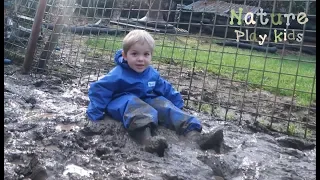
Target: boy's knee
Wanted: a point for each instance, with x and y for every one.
(160, 102)
(142, 120)
(139, 114)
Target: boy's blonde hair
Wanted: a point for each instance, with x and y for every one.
(135, 36)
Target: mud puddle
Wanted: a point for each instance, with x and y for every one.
(48, 136)
(67, 127)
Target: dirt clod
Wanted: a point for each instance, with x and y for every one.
(157, 144)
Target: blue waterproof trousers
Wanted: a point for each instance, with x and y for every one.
(136, 113)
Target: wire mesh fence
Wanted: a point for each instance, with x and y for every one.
(238, 60)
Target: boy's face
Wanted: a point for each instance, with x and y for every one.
(138, 56)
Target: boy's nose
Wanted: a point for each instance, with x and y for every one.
(140, 58)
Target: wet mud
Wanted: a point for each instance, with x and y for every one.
(47, 136)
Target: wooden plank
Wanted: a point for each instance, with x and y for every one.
(135, 26)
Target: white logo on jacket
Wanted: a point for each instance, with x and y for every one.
(151, 84)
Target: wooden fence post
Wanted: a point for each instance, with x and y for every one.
(32, 43)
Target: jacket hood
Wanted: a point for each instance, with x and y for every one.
(118, 58)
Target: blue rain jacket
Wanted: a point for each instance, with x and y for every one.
(122, 80)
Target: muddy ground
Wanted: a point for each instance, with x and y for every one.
(46, 133)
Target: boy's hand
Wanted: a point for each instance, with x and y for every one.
(93, 128)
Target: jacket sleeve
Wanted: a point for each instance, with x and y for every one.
(100, 94)
(165, 89)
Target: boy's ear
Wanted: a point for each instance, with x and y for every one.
(124, 55)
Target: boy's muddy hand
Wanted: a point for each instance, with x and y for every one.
(93, 128)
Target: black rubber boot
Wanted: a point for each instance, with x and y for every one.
(212, 140)
(143, 135)
(152, 144)
(39, 173)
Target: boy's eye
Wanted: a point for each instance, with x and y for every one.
(134, 54)
(146, 54)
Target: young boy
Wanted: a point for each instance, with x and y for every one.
(134, 93)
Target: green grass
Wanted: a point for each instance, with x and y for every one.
(264, 72)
